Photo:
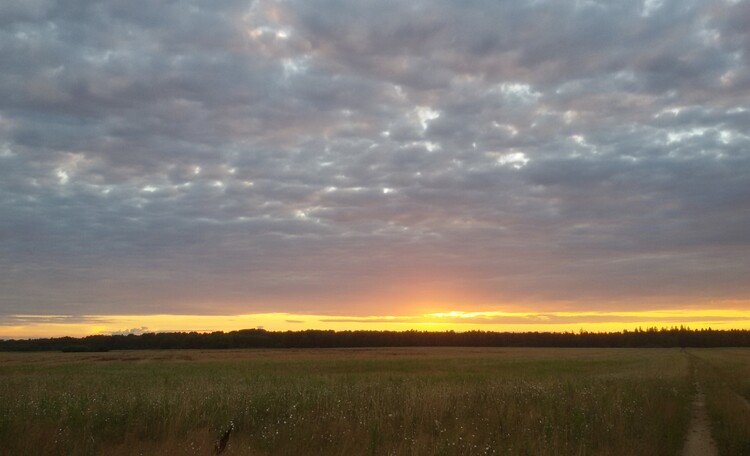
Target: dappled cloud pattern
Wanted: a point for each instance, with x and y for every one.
(373, 158)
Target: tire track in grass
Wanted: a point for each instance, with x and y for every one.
(698, 441)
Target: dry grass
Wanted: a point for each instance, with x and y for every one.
(366, 401)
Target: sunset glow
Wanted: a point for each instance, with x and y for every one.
(366, 165)
(54, 325)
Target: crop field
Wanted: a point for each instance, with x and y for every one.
(405, 401)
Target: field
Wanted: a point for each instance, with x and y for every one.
(412, 401)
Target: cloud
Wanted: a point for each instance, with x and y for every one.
(15, 320)
(315, 157)
(543, 319)
(135, 331)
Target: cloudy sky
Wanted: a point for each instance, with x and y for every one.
(340, 163)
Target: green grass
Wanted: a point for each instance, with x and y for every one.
(725, 376)
(390, 401)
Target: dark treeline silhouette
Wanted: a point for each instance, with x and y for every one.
(259, 338)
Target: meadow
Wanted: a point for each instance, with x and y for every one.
(402, 401)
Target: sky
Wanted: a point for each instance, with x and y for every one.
(345, 164)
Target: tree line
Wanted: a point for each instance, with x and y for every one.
(260, 338)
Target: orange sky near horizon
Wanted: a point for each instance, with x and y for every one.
(502, 166)
(33, 326)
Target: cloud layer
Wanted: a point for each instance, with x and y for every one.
(352, 157)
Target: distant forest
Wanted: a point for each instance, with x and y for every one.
(259, 338)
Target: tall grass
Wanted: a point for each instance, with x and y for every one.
(725, 374)
(420, 402)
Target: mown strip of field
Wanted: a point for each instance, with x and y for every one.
(376, 401)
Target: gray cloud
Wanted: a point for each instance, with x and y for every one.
(135, 331)
(340, 156)
(536, 319)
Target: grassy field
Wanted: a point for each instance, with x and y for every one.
(371, 401)
(725, 376)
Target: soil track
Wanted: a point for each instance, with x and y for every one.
(699, 441)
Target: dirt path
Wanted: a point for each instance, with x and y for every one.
(699, 441)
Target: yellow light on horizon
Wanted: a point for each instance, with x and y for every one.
(568, 321)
